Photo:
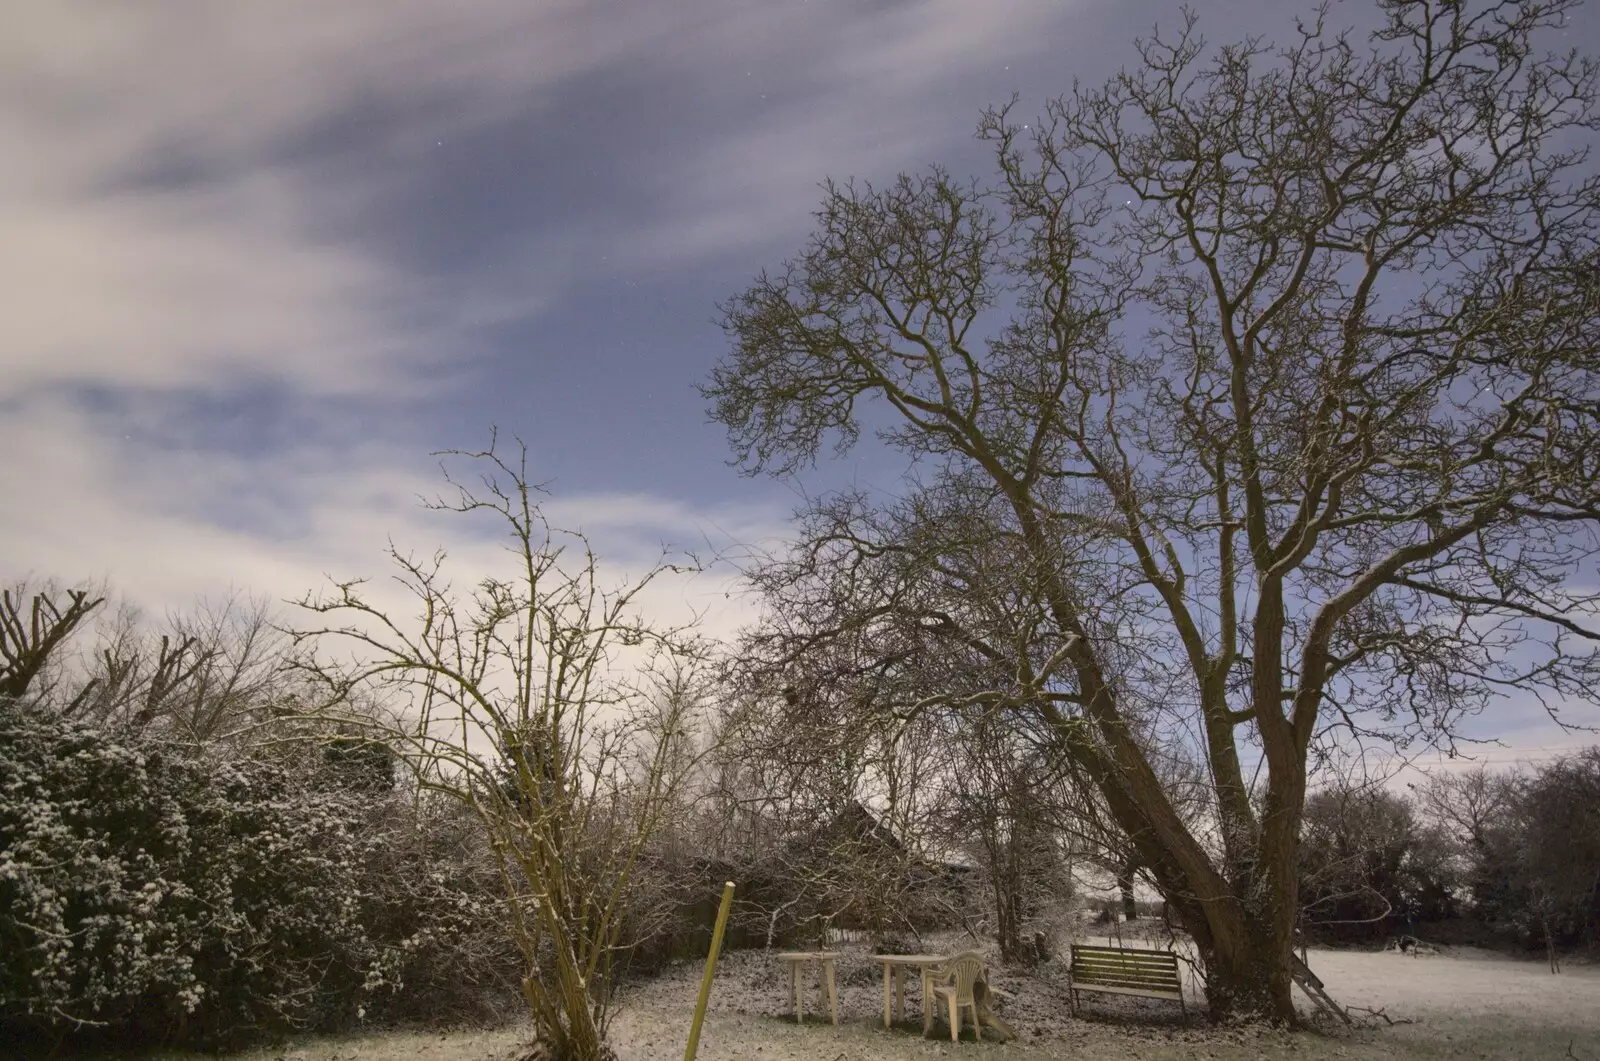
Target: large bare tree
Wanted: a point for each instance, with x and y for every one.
(1271, 372)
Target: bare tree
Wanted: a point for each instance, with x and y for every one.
(33, 629)
(1000, 800)
(1559, 856)
(1368, 866)
(1473, 808)
(1293, 414)
(210, 675)
(545, 703)
(1526, 842)
(1468, 803)
(825, 818)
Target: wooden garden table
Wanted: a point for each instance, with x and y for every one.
(824, 960)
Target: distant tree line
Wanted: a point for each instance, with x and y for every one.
(1497, 858)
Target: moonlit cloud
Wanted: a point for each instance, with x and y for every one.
(168, 223)
(182, 211)
(175, 234)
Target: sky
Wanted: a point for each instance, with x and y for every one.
(261, 259)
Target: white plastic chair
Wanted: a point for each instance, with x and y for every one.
(952, 983)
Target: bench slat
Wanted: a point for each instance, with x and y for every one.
(1153, 970)
(1117, 981)
(1117, 978)
(1107, 989)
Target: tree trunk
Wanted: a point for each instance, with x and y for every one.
(1248, 962)
(1250, 979)
(1009, 886)
(1008, 921)
(1130, 906)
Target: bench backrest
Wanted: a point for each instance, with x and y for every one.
(1154, 970)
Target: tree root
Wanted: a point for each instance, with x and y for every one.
(1391, 1021)
(992, 1025)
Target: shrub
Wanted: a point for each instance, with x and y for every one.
(1368, 867)
(146, 895)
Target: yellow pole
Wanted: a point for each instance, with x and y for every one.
(711, 971)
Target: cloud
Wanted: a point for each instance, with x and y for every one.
(190, 222)
(190, 211)
(168, 224)
(206, 288)
(180, 212)
(881, 91)
(80, 510)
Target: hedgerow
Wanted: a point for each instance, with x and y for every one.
(152, 895)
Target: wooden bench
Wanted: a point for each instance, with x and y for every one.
(1123, 971)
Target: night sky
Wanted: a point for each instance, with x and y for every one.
(261, 258)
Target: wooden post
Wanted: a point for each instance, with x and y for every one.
(711, 971)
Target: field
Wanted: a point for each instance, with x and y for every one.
(1461, 1004)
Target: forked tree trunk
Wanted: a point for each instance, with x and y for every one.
(1242, 915)
(1241, 920)
(1249, 978)
(1248, 951)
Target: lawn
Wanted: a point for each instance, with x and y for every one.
(1461, 1004)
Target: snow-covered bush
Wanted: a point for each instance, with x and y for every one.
(157, 896)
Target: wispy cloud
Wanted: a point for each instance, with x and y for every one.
(189, 220)
(166, 531)
(168, 221)
(180, 209)
(871, 90)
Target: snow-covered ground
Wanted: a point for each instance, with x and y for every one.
(1460, 1004)
(1472, 1003)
